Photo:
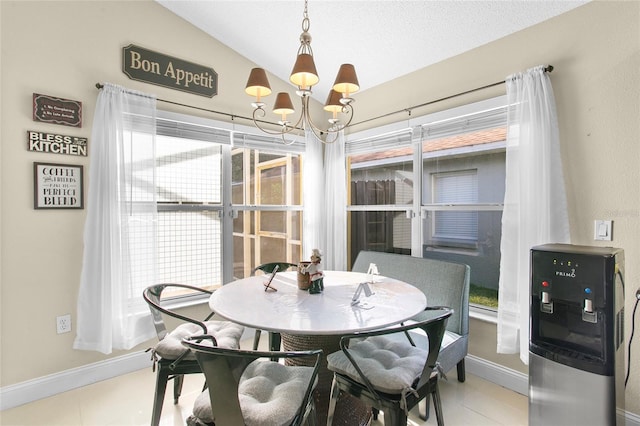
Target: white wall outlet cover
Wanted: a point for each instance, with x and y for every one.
(63, 324)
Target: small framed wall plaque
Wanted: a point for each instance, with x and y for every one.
(57, 186)
(48, 109)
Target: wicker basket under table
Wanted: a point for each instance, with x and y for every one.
(349, 411)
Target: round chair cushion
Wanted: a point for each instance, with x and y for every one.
(269, 393)
(389, 365)
(226, 333)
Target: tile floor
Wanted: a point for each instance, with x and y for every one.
(127, 400)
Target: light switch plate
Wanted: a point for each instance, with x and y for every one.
(603, 230)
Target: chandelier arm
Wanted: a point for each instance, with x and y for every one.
(335, 129)
(285, 141)
(286, 129)
(317, 132)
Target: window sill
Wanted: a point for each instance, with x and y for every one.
(482, 313)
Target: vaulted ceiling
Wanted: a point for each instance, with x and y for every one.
(384, 39)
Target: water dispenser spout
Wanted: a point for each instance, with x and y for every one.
(588, 305)
(546, 304)
(588, 314)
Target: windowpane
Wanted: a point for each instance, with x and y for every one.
(386, 231)
(270, 228)
(188, 171)
(462, 171)
(273, 185)
(383, 177)
(483, 256)
(190, 248)
(189, 241)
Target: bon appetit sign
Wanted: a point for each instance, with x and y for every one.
(152, 67)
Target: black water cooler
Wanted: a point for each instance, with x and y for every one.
(576, 349)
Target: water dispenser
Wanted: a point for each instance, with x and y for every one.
(576, 347)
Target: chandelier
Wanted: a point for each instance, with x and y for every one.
(304, 76)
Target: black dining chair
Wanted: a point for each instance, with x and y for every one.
(253, 388)
(389, 374)
(268, 268)
(171, 359)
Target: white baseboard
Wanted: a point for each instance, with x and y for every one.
(43, 387)
(498, 374)
(519, 382)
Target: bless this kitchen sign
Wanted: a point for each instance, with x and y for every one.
(152, 67)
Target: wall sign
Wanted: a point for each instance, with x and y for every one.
(56, 144)
(57, 111)
(57, 186)
(152, 67)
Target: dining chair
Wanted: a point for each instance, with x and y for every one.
(268, 268)
(445, 284)
(388, 374)
(170, 358)
(253, 388)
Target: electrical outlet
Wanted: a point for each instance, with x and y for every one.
(63, 323)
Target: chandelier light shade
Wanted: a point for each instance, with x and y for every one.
(258, 84)
(346, 80)
(283, 106)
(304, 72)
(333, 104)
(304, 76)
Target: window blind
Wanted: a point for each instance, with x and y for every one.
(389, 141)
(484, 120)
(269, 143)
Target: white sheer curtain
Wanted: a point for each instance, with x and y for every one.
(313, 198)
(121, 201)
(535, 207)
(335, 235)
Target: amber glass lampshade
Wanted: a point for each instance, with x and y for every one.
(283, 105)
(258, 84)
(304, 72)
(346, 80)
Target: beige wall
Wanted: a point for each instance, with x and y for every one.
(63, 48)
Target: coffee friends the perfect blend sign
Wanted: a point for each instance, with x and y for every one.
(152, 67)
(57, 186)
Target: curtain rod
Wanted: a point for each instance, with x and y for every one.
(233, 116)
(548, 68)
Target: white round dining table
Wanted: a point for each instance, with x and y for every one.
(287, 309)
(317, 321)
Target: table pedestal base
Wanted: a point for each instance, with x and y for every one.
(349, 411)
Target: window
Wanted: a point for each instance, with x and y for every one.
(434, 189)
(211, 229)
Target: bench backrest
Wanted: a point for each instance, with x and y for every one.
(444, 283)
